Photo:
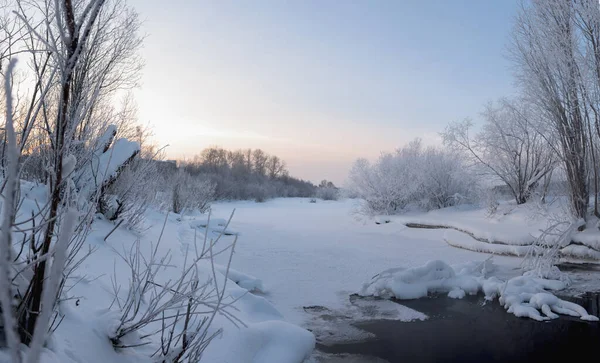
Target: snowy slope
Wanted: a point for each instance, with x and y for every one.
(510, 231)
(259, 333)
(513, 225)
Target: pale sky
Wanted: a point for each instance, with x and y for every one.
(318, 83)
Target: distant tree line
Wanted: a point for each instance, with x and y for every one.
(246, 174)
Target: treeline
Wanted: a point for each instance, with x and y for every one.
(246, 174)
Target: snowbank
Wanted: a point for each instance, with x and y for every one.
(418, 282)
(515, 226)
(243, 280)
(265, 338)
(579, 252)
(274, 342)
(511, 232)
(458, 239)
(257, 333)
(589, 237)
(523, 296)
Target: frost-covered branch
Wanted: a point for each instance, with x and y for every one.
(8, 217)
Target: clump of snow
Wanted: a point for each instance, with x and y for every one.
(264, 342)
(552, 273)
(526, 296)
(523, 296)
(69, 163)
(418, 282)
(104, 165)
(456, 294)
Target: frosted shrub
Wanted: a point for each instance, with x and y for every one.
(328, 193)
(191, 193)
(545, 252)
(132, 193)
(412, 176)
(489, 200)
(445, 182)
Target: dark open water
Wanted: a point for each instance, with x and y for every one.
(467, 331)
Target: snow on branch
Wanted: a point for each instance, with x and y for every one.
(9, 192)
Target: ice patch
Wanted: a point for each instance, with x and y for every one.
(385, 310)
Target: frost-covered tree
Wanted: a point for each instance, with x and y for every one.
(75, 56)
(510, 146)
(545, 48)
(428, 178)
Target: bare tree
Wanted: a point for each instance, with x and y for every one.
(79, 53)
(259, 160)
(544, 49)
(510, 146)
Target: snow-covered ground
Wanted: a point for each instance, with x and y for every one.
(301, 260)
(312, 256)
(316, 254)
(510, 230)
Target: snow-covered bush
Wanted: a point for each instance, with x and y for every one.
(446, 182)
(489, 199)
(412, 176)
(328, 193)
(132, 193)
(190, 193)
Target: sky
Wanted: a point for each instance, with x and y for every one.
(318, 83)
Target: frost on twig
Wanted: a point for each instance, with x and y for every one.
(544, 253)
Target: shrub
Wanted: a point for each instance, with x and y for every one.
(191, 193)
(429, 178)
(328, 193)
